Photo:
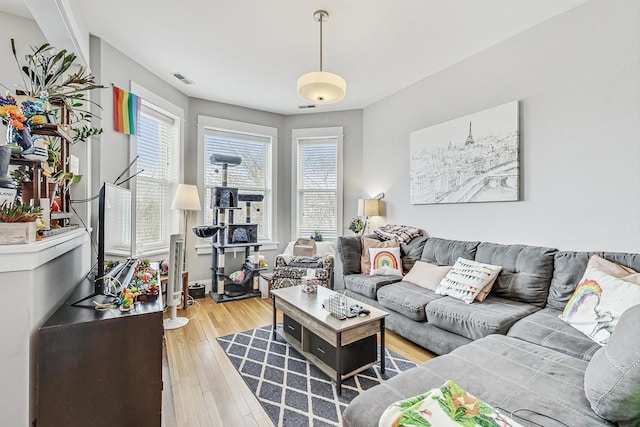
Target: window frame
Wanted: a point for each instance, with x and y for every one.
(164, 107)
(223, 125)
(311, 134)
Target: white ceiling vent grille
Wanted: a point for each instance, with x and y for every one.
(183, 78)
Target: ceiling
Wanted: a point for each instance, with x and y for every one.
(251, 52)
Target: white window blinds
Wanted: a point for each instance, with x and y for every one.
(318, 189)
(157, 144)
(253, 176)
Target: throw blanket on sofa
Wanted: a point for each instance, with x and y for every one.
(447, 406)
(404, 233)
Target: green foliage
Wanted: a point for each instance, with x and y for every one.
(412, 418)
(50, 73)
(81, 134)
(16, 212)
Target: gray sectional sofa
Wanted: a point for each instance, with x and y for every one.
(510, 350)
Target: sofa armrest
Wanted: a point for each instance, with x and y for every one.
(349, 250)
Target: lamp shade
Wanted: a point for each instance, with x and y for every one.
(368, 207)
(186, 198)
(321, 87)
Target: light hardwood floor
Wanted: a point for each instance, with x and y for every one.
(201, 386)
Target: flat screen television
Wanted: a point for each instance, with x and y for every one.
(114, 235)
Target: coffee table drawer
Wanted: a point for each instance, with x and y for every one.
(352, 356)
(292, 327)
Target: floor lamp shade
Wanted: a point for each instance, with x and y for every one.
(368, 207)
(186, 198)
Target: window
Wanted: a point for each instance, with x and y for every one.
(157, 144)
(255, 146)
(317, 198)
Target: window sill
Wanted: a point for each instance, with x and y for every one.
(152, 253)
(207, 249)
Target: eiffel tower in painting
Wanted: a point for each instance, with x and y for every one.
(470, 140)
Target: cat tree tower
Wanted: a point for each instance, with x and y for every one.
(225, 201)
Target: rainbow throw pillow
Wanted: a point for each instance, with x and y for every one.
(385, 261)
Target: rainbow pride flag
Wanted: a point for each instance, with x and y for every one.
(126, 110)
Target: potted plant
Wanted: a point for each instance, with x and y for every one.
(48, 78)
(22, 179)
(52, 79)
(356, 225)
(18, 223)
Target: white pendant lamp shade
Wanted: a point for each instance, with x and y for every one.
(321, 87)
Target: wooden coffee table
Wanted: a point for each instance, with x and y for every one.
(339, 348)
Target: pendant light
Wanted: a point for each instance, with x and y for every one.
(321, 87)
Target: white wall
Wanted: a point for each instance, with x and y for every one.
(26, 34)
(577, 78)
(33, 294)
(110, 66)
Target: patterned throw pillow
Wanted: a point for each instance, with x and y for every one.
(367, 243)
(598, 302)
(447, 406)
(385, 261)
(467, 279)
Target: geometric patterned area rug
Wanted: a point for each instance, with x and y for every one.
(290, 389)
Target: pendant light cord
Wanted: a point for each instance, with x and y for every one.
(321, 19)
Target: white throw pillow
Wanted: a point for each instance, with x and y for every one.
(467, 278)
(598, 302)
(385, 261)
(427, 275)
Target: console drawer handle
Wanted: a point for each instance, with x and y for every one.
(291, 327)
(321, 350)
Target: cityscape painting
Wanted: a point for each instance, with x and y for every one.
(469, 159)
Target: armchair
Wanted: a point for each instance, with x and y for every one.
(289, 269)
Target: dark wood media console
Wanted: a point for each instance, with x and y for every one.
(100, 368)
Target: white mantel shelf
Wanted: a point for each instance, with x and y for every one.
(30, 256)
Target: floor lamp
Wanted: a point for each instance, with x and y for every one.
(186, 199)
(368, 208)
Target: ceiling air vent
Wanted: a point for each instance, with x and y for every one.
(183, 78)
(306, 107)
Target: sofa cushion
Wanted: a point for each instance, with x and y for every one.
(467, 279)
(349, 251)
(446, 406)
(612, 379)
(385, 261)
(367, 285)
(492, 316)
(569, 267)
(407, 299)
(504, 372)
(368, 243)
(598, 302)
(411, 252)
(546, 329)
(526, 271)
(446, 252)
(427, 275)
